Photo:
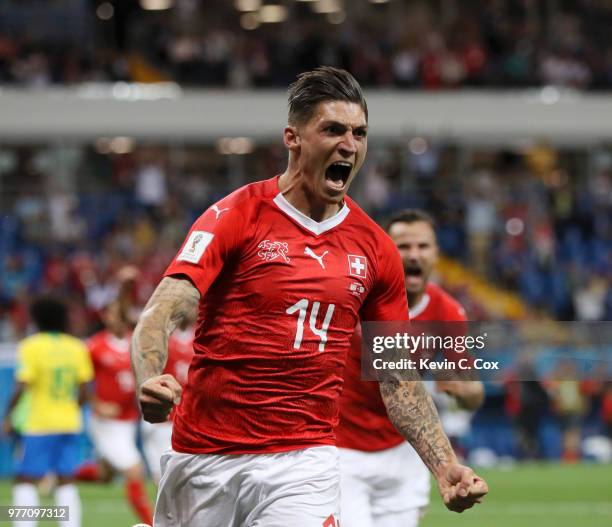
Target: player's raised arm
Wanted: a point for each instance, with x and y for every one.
(414, 414)
(173, 300)
(469, 394)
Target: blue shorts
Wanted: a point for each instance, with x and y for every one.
(57, 453)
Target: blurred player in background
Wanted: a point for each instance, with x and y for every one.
(157, 437)
(127, 278)
(54, 369)
(271, 267)
(114, 420)
(384, 482)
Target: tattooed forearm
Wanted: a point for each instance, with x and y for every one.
(413, 413)
(172, 301)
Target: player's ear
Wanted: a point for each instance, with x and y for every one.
(291, 138)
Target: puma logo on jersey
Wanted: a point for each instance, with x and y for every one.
(272, 250)
(319, 259)
(217, 211)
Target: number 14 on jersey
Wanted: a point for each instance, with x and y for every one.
(301, 307)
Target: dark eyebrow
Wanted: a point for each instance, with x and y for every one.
(361, 127)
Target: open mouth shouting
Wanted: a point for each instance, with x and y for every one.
(337, 175)
(414, 275)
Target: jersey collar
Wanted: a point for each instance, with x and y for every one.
(420, 307)
(316, 227)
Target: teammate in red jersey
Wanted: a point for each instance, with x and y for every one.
(384, 482)
(282, 271)
(115, 415)
(156, 437)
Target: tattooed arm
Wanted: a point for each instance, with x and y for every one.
(173, 300)
(413, 413)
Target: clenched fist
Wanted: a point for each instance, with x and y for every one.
(461, 488)
(157, 396)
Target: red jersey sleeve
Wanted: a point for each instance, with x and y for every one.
(92, 347)
(211, 241)
(387, 300)
(452, 311)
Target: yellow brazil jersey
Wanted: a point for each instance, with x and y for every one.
(53, 365)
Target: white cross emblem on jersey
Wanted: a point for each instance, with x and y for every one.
(358, 265)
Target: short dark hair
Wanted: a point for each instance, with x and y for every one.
(49, 314)
(411, 216)
(319, 85)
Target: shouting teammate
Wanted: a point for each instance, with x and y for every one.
(384, 482)
(282, 271)
(115, 415)
(54, 369)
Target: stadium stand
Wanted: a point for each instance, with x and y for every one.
(407, 44)
(523, 202)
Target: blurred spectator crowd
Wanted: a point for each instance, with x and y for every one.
(399, 43)
(530, 221)
(536, 220)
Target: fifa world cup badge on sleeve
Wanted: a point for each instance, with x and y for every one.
(195, 246)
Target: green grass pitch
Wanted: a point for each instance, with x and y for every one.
(522, 496)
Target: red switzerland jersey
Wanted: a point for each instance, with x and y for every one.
(180, 352)
(280, 297)
(364, 424)
(114, 379)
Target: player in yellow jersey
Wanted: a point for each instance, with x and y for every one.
(54, 369)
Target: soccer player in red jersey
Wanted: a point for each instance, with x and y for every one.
(115, 414)
(282, 271)
(156, 437)
(384, 482)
